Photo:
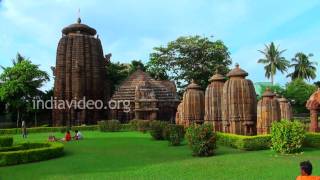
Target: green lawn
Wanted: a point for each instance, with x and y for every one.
(133, 155)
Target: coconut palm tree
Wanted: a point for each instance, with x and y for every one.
(273, 61)
(303, 67)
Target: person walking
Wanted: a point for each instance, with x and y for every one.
(24, 129)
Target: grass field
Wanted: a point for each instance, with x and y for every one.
(133, 155)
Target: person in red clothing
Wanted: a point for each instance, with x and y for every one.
(67, 136)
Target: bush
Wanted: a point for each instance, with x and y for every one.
(32, 152)
(140, 125)
(143, 125)
(134, 124)
(157, 129)
(125, 127)
(6, 141)
(248, 143)
(176, 134)
(312, 140)
(49, 129)
(287, 137)
(201, 139)
(109, 125)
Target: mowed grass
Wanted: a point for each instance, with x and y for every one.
(133, 155)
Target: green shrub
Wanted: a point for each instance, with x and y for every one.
(33, 152)
(10, 131)
(49, 129)
(157, 129)
(134, 124)
(248, 143)
(85, 128)
(176, 134)
(312, 140)
(140, 125)
(12, 148)
(6, 141)
(287, 137)
(109, 125)
(201, 139)
(126, 127)
(143, 125)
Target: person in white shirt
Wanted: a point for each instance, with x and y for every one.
(78, 135)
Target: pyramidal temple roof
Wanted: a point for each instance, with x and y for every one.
(164, 90)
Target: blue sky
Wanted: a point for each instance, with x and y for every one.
(129, 29)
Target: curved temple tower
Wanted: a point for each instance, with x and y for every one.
(213, 101)
(285, 108)
(79, 74)
(268, 111)
(239, 104)
(193, 104)
(313, 104)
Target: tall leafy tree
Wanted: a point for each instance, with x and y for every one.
(299, 91)
(20, 83)
(303, 67)
(273, 61)
(189, 57)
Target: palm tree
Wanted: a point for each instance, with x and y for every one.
(273, 61)
(19, 58)
(303, 67)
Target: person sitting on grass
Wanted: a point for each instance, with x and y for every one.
(306, 171)
(78, 135)
(52, 138)
(67, 136)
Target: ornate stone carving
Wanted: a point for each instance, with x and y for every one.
(239, 104)
(285, 108)
(193, 104)
(213, 101)
(313, 104)
(79, 73)
(268, 111)
(149, 98)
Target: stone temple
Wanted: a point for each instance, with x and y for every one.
(145, 98)
(79, 73)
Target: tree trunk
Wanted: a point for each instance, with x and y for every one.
(272, 79)
(35, 119)
(18, 117)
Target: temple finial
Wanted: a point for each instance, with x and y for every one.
(217, 71)
(237, 65)
(79, 19)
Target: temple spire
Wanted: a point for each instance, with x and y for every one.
(79, 19)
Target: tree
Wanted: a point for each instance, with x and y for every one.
(274, 88)
(136, 64)
(298, 91)
(20, 83)
(187, 58)
(116, 73)
(303, 67)
(273, 61)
